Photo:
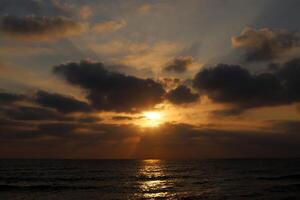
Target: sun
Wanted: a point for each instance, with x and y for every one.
(152, 115)
(152, 118)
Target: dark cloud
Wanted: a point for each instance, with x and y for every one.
(170, 82)
(32, 113)
(178, 65)
(35, 7)
(9, 97)
(19, 7)
(182, 95)
(237, 86)
(44, 106)
(265, 44)
(58, 129)
(17, 130)
(227, 112)
(288, 126)
(234, 84)
(61, 103)
(89, 119)
(111, 90)
(30, 127)
(195, 141)
(289, 76)
(39, 28)
(121, 118)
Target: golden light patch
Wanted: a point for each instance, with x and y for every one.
(152, 115)
(152, 119)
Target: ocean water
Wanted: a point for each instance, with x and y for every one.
(150, 179)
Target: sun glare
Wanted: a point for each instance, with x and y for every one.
(152, 118)
(152, 115)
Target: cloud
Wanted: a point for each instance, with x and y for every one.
(32, 127)
(113, 25)
(61, 103)
(138, 72)
(33, 113)
(178, 65)
(170, 83)
(44, 106)
(235, 85)
(7, 98)
(265, 44)
(227, 112)
(111, 90)
(25, 50)
(121, 118)
(59, 129)
(120, 47)
(182, 95)
(85, 12)
(40, 28)
(152, 55)
(144, 9)
(195, 141)
(89, 119)
(145, 54)
(36, 7)
(288, 126)
(19, 6)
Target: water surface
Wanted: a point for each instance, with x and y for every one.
(150, 179)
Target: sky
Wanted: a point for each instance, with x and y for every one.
(169, 79)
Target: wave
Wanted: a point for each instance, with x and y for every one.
(162, 177)
(44, 188)
(286, 177)
(48, 179)
(285, 188)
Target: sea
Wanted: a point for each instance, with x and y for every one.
(150, 179)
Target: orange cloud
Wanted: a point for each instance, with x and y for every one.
(109, 26)
(85, 12)
(144, 9)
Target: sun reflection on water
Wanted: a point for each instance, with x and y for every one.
(153, 182)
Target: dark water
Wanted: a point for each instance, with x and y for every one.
(149, 179)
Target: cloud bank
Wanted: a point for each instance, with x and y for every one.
(40, 28)
(265, 44)
(109, 90)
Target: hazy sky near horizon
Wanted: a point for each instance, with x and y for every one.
(149, 78)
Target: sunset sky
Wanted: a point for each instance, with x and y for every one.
(149, 78)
